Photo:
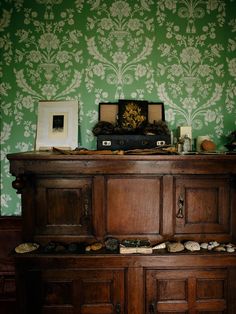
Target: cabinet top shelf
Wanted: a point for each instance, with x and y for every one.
(61, 164)
(49, 155)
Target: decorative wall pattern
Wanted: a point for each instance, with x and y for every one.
(181, 52)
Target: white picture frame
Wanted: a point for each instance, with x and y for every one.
(57, 125)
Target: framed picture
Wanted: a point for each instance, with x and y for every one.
(132, 114)
(57, 125)
(156, 112)
(108, 112)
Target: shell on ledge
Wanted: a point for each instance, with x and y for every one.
(219, 248)
(212, 245)
(230, 249)
(192, 246)
(204, 245)
(159, 246)
(175, 247)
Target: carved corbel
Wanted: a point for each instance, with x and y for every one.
(18, 184)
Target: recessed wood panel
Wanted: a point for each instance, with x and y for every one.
(64, 206)
(202, 205)
(96, 292)
(58, 293)
(82, 291)
(180, 291)
(133, 205)
(210, 289)
(171, 289)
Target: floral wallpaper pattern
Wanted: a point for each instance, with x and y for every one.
(181, 52)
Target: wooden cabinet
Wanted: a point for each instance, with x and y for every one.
(75, 198)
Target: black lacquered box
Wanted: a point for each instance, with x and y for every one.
(131, 141)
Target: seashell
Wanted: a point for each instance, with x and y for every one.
(175, 247)
(214, 243)
(88, 248)
(229, 245)
(159, 246)
(210, 247)
(192, 246)
(204, 245)
(219, 248)
(230, 249)
(26, 247)
(96, 246)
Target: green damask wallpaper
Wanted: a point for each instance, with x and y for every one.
(181, 52)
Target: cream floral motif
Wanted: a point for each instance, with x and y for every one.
(48, 14)
(232, 67)
(191, 93)
(191, 10)
(49, 59)
(5, 46)
(120, 46)
(231, 86)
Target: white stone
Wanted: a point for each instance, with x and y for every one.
(230, 249)
(204, 245)
(214, 243)
(192, 246)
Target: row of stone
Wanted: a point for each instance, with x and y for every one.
(195, 246)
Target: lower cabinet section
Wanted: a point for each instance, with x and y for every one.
(126, 285)
(86, 291)
(186, 291)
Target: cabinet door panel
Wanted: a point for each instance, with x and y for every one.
(99, 291)
(133, 205)
(180, 291)
(64, 206)
(202, 205)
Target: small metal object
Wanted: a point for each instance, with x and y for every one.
(106, 143)
(152, 308)
(180, 207)
(161, 143)
(118, 308)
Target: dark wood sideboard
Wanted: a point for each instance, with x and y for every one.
(77, 198)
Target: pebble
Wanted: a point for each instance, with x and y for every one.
(204, 245)
(219, 248)
(175, 247)
(192, 246)
(230, 249)
(96, 246)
